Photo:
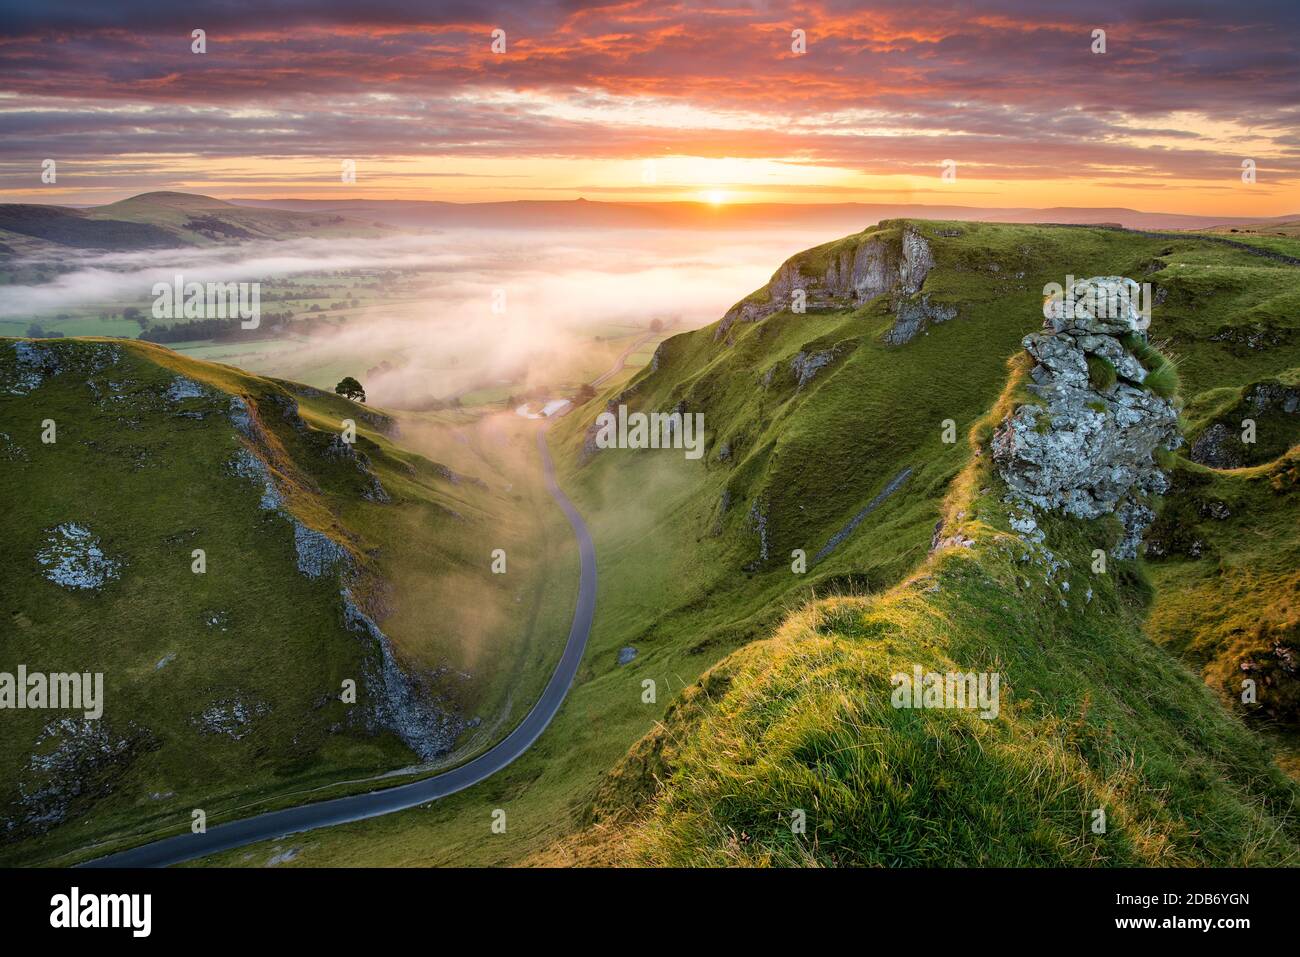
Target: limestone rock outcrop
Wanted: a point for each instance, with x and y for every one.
(1087, 447)
(853, 276)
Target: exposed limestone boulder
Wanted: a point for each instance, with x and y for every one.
(1087, 450)
(183, 387)
(1272, 402)
(756, 519)
(1219, 447)
(231, 717)
(72, 557)
(26, 368)
(805, 365)
(914, 316)
(318, 554)
(74, 762)
(1273, 396)
(1105, 305)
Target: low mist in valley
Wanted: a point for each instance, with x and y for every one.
(428, 317)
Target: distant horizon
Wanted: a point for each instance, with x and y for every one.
(1192, 109)
(699, 203)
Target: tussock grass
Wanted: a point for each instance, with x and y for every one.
(1101, 373)
(1162, 370)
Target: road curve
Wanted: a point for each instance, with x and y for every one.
(307, 817)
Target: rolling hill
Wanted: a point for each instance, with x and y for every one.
(160, 220)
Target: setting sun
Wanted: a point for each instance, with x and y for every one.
(716, 197)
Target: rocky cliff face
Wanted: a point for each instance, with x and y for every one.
(855, 274)
(1087, 446)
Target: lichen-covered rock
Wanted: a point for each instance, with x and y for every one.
(1219, 447)
(230, 717)
(805, 365)
(1223, 443)
(248, 465)
(1087, 451)
(1105, 305)
(33, 362)
(401, 700)
(757, 520)
(913, 316)
(1272, 396)
(73, 762)
(372, 490)
(72, 557)
(241, 416)
(318, 554)
(183, 387)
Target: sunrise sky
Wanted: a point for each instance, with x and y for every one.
(643, 101)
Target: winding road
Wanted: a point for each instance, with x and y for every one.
(357, 807)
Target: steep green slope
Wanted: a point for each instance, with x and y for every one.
(808, 457)
(224, 688)
(1208, 300)
(812, 421)
(1093, 717)
(1225, 559)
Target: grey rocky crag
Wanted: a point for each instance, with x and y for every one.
(806, 365)
(183, 387)
(338, 449)
(1086, 449)
(914, 316)
(232, 717)
(853, 276)
(756, 519)
(399, 699)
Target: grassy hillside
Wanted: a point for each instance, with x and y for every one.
(223, 688)
(1225, 559)
(1281, 235)
(683, 581)
(1093, 716)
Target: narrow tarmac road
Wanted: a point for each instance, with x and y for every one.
(307, 817)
